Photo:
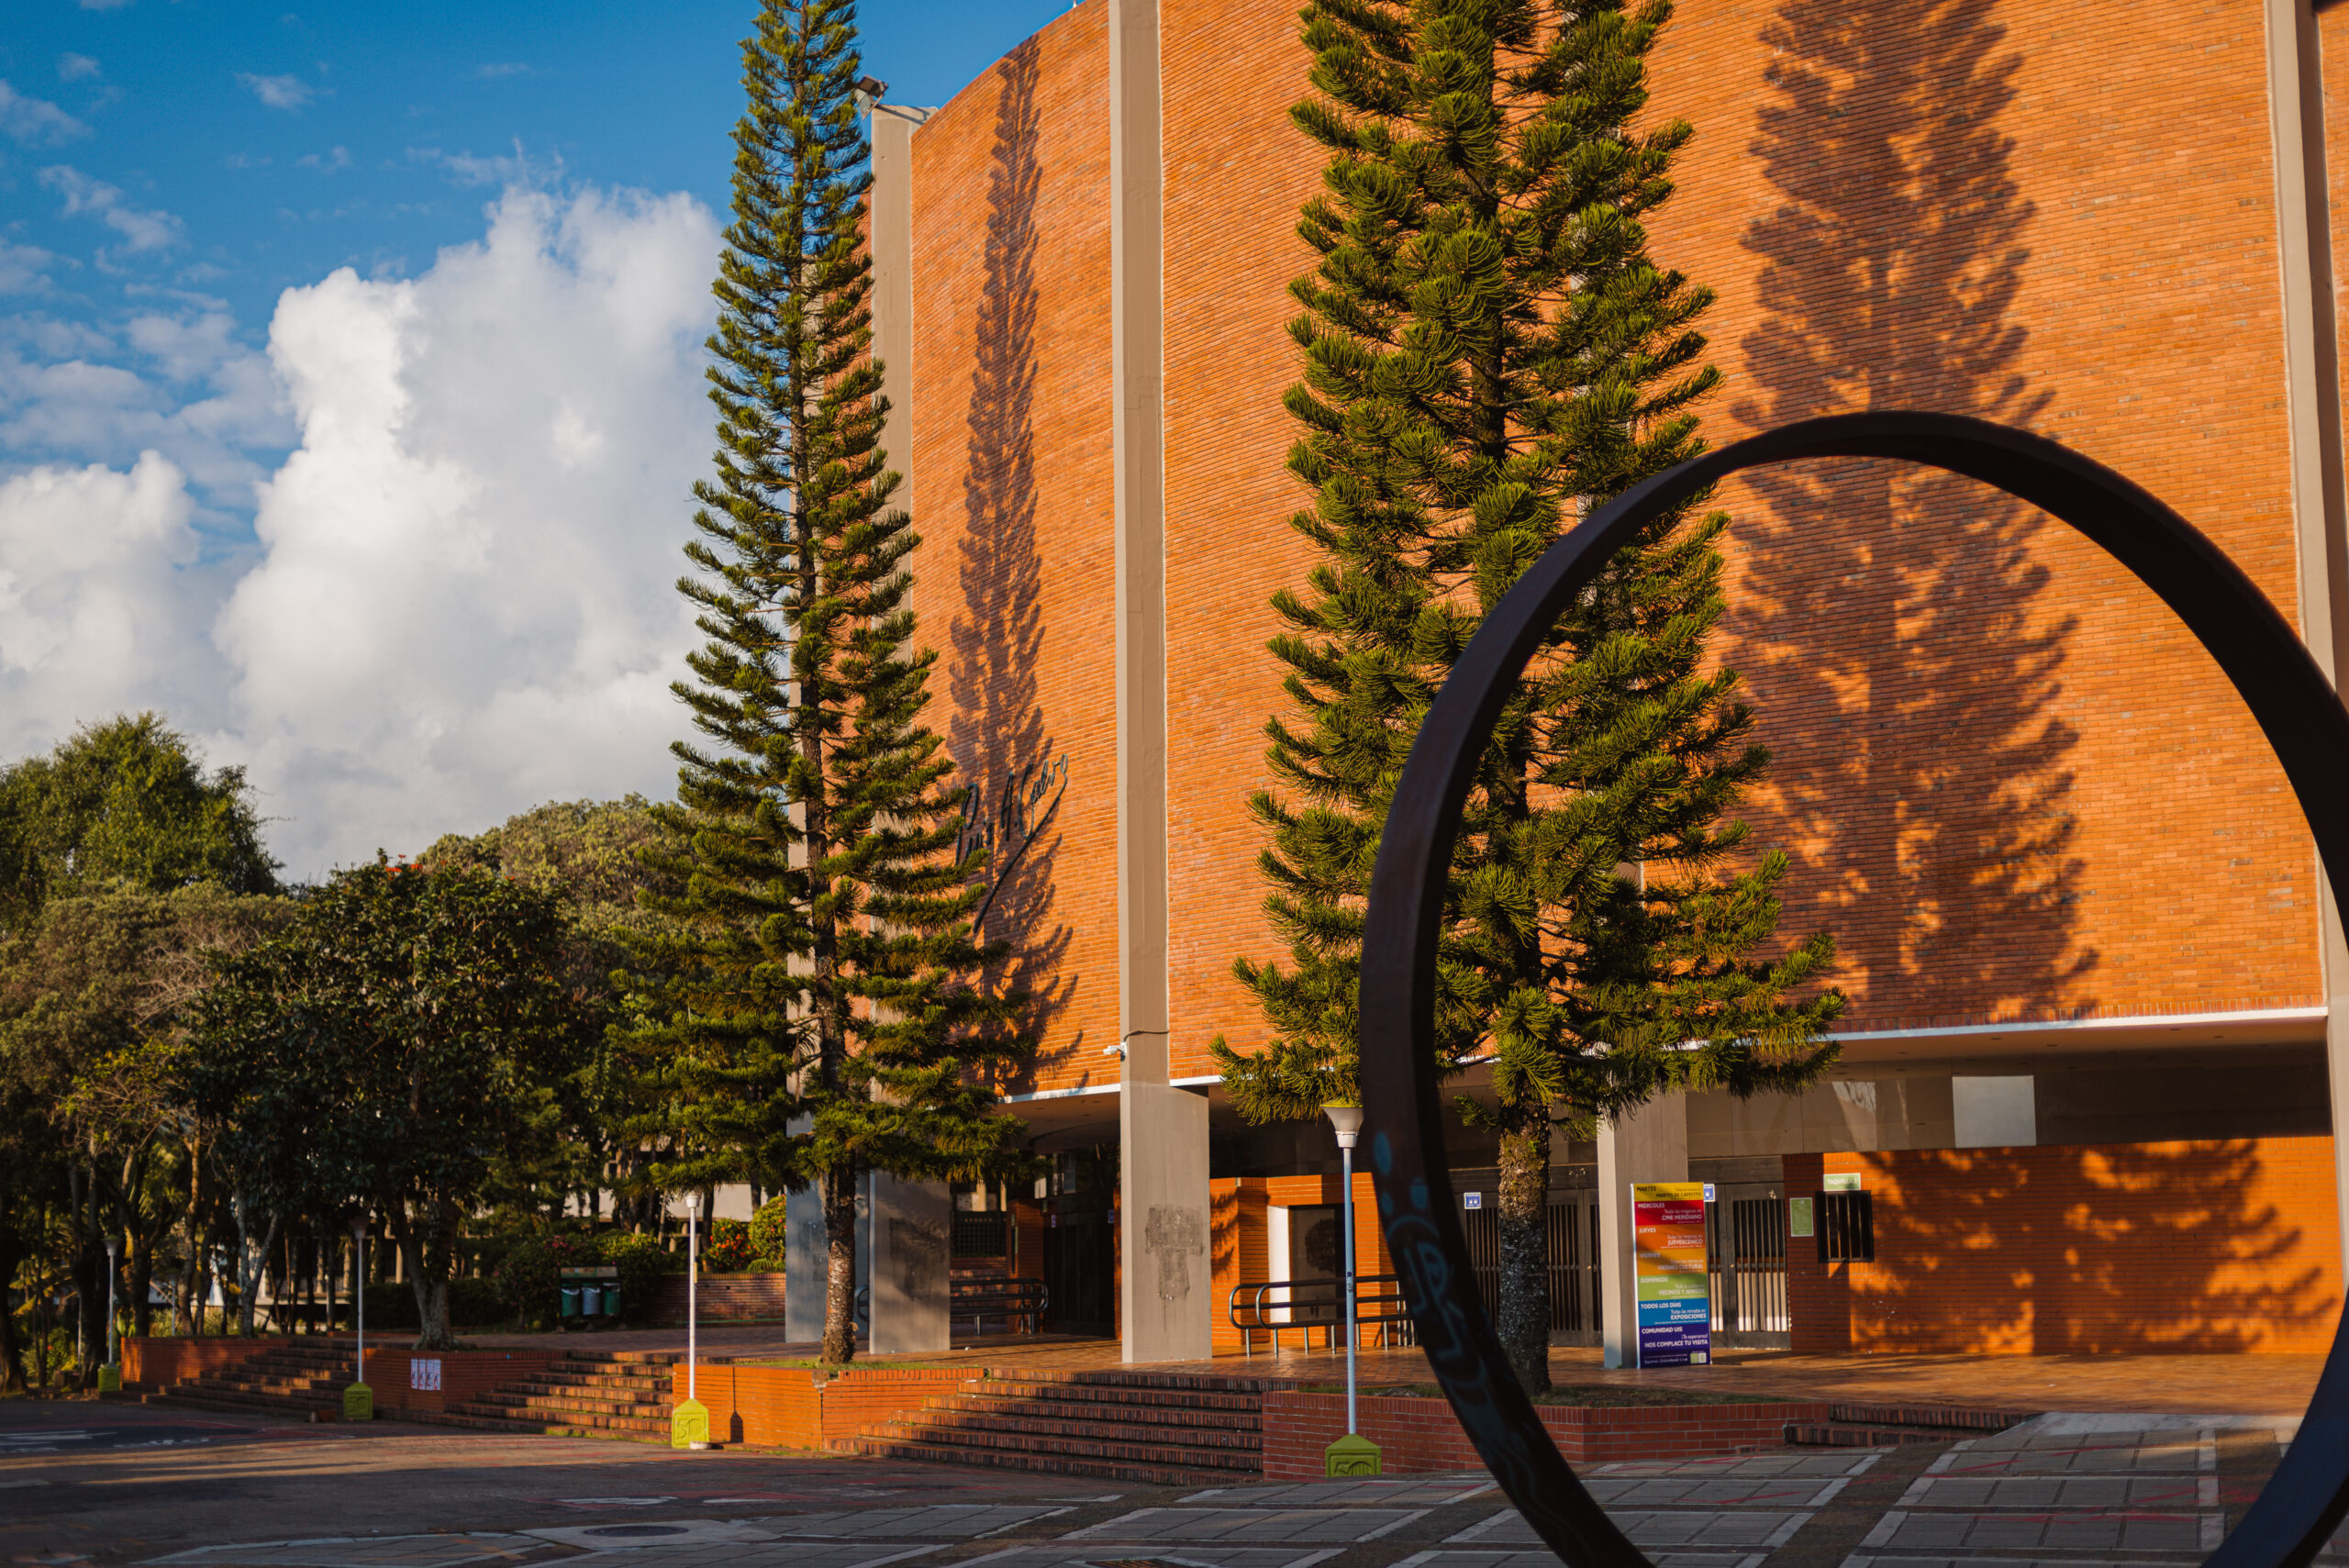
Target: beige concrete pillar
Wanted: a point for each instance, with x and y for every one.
(1650, 1144)
(2312, 402)
(1166, 1278)
(909, 1226)
(892, 244)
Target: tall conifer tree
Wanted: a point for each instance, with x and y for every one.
(824, 1014)
(1490, 351)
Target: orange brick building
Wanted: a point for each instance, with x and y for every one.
(2080, 921)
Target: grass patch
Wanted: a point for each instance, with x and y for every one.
(1594, 1397)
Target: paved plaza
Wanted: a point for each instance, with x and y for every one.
(102, 1485)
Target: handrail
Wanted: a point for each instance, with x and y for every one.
(1315, 1304)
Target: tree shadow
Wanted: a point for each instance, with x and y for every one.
(2090, 1249)
(1896, 621)
(998, 731)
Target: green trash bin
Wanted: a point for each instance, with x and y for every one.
(611, 1301)
(570, 1301)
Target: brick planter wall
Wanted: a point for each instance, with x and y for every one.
(464, 1374)
(797, 1406)
(724, 1298)
(159, 1363)
(1416, 1436)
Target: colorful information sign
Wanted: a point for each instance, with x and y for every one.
(1668, 1266)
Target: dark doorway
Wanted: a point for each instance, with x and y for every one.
(1081, 1269)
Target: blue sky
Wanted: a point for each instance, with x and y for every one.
(350, 381)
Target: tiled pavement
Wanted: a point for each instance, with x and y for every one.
(2147, 1492)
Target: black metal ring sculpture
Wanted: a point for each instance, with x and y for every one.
(2288, 694)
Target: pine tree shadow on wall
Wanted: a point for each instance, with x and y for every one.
(1900, 616)
(998, 728)
(2095, 1249)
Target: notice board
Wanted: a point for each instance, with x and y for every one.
(1668, 1267)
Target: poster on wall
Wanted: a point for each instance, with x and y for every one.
(1668, 1267)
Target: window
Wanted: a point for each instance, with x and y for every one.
(1846, 1228)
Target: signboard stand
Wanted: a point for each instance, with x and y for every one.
(1669, 1270)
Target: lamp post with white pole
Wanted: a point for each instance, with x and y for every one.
(689, 1421)
(1352, 1455)
(110, 1375)
(358, 1400)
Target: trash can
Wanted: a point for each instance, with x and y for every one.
(611, 1301)
(570, 1301)
(591, 1301)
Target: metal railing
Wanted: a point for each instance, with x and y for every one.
(1278, 1305)
(1014, 1300)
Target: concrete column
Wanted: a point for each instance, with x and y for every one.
(892, 247)
(912, 1226)
(1165, 1283)
(1166, 1278)
(1992, 1113)
(2312, 402)
(1650, 1144)
(806, 1257)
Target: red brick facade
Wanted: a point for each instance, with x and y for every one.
(2088, 1250)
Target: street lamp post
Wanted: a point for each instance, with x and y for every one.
(689, 1422)
(110, 1375)
(358, 1400)
(1352, 1455)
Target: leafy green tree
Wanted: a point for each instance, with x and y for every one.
(126, 801)
(386, 1051)
(825, 1013)
(589, 856)
(1490, 351)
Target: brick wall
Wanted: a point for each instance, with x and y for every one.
(464, 1374)
(1416, 1436)
(783, 1406)
(2210, 1246)
(159, 1363)
(720, 1298)
(1013, 495)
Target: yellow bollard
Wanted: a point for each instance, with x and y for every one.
(1350, 1455)
(358, 1403)
(689, 1424)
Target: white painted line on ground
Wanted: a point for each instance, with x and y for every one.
(2210, 1455)
(1941, 1466)
(1393, 1525)
(1047, 1514)
(1917, 1491)
(1826, 1494)
(1210, 1492)
(2206, 1492)
(2214, 1530)
(6, 1485)
(1886, 1528)
(1786, 1532)
(1472, 1531)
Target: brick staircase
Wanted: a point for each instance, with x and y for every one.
(587, 1393)
(303, 1380)
(1149, 1429)
(1884, 1426)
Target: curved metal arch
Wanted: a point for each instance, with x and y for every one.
(2294, 705)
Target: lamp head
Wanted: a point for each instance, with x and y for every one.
(692, 1202)
(1347, 1119)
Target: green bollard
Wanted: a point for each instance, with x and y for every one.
(1350, 1455)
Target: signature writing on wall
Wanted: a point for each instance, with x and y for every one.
(1004, 816)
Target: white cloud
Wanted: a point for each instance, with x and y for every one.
(100, 598)
(75, 67)
(35, 121)
(468, 169)
(464, 602)
(140, 230)
(278, 92)
(504, 69)
(24, 268)
(104, 4)
(326, 162)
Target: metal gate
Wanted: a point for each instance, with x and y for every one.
(1571, 1231)
(1748, 1248)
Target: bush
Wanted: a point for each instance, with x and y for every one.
(641, 1261)
(525, 1283)
(768, 1229)
(727, 1250)
(475, 1303)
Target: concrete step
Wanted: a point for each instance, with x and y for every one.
(1136, 1434)
(1139, 1396)
(1138, 1472)
(1889, 1426)
(1169, 1420)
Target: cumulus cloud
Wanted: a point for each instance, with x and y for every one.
(140, 230)
(278, 92)
(75, 67)
(35, 121)
(100, 598)
(463, 602)
(324, 163)
(24, 268)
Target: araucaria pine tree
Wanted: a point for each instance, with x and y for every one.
(1489, 353)
(824, 1014)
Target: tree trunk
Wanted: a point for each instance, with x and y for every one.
(1524, 1317)
(426, 1254)
(252, 1261)
(12, 1258)
(840, 1278)
(89, 1274)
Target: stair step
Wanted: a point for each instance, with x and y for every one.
(1145, 1474)
(1937, 1417)
(957, 1438)
(1174, 1419)
(1114, 1433)
(1219, 1397)
(1804, 1435)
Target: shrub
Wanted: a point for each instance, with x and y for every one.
(767, 1231)
(526, 1280)
(727, 1249)
(475, 1302)
(641, 1261)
